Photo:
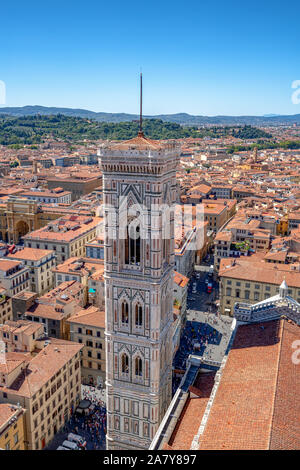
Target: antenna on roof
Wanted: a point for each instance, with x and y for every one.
(140, 133)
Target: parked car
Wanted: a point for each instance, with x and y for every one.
(77, 439)
(70, 445)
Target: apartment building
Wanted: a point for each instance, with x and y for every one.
(46, 162)
(180, 292)
(251, 280)
(96, 289)
(197, 193)
(78, 184)
(221, 191)
(88, 159)
(180, 304)
(66, 236)
(12, 427)
(46, 384)
(14, 276)
(229, 203)
(54, 308)
(269, 220)
(89, 272)
(192, 239)
(185, 252)
(66, 160)
(95, 248)
(215, 214)
(21, 302)
(293, 220)
(54, 196)
(241, 192)
(87, 327)
(240, 237)
(21, 335)
(40, 263)
(5, 306)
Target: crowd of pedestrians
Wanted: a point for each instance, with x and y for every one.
(91, 426)
(194, 339)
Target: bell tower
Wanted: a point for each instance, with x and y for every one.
(139, 191)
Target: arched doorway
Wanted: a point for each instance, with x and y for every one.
(21, 229)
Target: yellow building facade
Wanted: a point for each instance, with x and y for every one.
(11, 427)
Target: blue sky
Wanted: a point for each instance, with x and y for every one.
(209, 58)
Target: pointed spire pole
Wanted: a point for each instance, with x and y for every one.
(141, 134)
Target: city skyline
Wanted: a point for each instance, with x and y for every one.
(149, 229)
(202, 60)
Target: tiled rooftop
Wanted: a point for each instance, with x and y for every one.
(256, 405)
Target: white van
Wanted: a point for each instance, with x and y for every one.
(77, 439)
(70, 445)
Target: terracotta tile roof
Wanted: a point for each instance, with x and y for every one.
(43, 366)
(203, 188)
(248, 269)
(138, 143)
(91, 316)
(5, 264)
(46, 193)
(257, 396)
(21, 326)
(285, 433)
(51, 305)
(45, 311)
(66, 229)
(180, 279)
(277, 255)
(191, 416)
(25, 294)
(212, 208)
(33, 254)
(12, 362)
(224, 236)
(7, 411)
(80, 266)
(71, 288)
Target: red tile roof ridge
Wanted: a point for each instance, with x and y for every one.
(247, 344)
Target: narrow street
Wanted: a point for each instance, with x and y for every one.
(202, 300)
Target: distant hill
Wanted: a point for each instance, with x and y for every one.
(34, 129)
(179, 118)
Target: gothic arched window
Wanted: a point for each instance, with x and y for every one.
(138, 366)
(125, 364)
(125, 310)
(133, 245)
(138, 315)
